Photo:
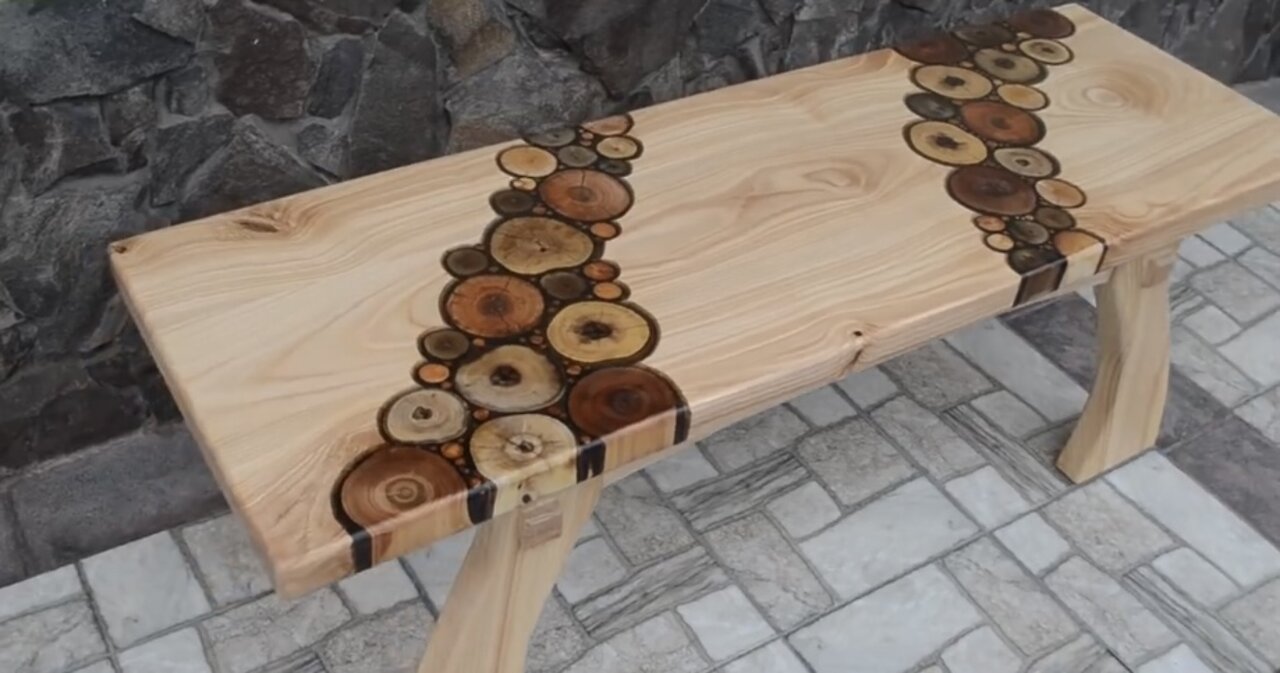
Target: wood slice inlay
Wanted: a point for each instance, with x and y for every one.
(540, 363)
(987, 94)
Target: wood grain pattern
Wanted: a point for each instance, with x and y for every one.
(783, 233)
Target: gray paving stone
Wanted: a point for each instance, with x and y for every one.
(889, 536)
(936, 376)
(775, 657)
(1028, 616)
(392, 642)
(1254, 350)
(1009, 359)
(1082, 655)
(1196, 577)
(51, 640)
(823, 407)
(987, 497)
(1182, 506)
(868, 387)
(1240, 467)
(178, 652)
(1020, 467)
(1262, 225)
(805, 510)
(1178, 660)
(271, 628)
(681, 469)
(226, 559)
(143, 587)
(714, 501)
(1128, 628)
(1240, 293)
(1009, 413)
(1111, 531)
(1254, 617)
(750, 440)
(556, 640)
(591, 566)
(650, 592)
(39, 591)
(1212, 324)
(103, 666)
(854, 461)
(1198, 252)
(890, 630)
(124, 490)
(725, 623)
(658, 645)
(981, 651)
(1034, 542)
(775, 576)
(1263, 413)
(437, 566)
(1209, 369)
(378, 588)
(1183, 301)
(1263, 264)
(1182, 270)
(302, 662)
(1064, 331)
(12, 565)
(1196, 625)
(1226, 238)
(933, 444)
(640, 522)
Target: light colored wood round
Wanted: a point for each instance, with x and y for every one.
(598, 331)
(527, 161)
(1046, 51)
(425, 417)
(525, 454)
(1014, 68)
(1060, 193)
(1023, 96)
(946, 143)
(1026, 161)
(494, 306)
(989, 223)
(609, 126)
(608, 291)
(953, 82)
(999, 242)
(535, 245)
(618, 147)
(1073, 241)
(510, 379)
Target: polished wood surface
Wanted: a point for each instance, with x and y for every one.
(783, 233)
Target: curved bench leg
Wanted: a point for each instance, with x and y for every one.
(504, 582)
(1122, 416)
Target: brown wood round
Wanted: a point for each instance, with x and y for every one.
(1009, 67)
(433, 372)
(494, 306)
(938, 49)
(510, 379)
(1002, 123)
(946, 143)
(1072, 241)
(999, 242)
(991, 190)
(1051, 52)
(984, 35)
(1043, 23)
(1023, 96)
(608, 291)
(599, 331)
(424, 416)
(585, 195)
(395, 479)
(952, 82)
(618, 147)
(604, 230)
(989, 223)
(534, 245)
(601, 270)
(612, 398)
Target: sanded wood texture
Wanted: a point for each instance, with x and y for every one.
(377, 364)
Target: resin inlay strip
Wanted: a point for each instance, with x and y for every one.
(539, 362)
(978, 116)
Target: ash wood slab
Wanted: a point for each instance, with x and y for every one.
(720, 254)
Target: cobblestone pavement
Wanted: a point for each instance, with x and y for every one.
(904, 520)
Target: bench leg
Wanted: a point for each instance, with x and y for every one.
(504, 582)
(1122, 417)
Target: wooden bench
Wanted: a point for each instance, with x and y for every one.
(491, 336)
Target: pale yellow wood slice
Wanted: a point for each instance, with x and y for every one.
(780, 233)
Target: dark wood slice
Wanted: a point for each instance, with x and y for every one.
(585, 195)
(1027, 260)
(445, 344)
(554, 137)
(1054, 218)
(1043, 23)
(577, 156)
(612, 398)
(938, 49)
(564, 285)
(512, 202)
(990, 190)
(463, 262)
(932, 106)
(1002, 123)
(1009, 67)
(494, 306)
(395, 479)
(1027, 231)
(985, 35)
(510, 379)
(615, 167)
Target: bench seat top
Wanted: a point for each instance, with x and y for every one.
(377, 364)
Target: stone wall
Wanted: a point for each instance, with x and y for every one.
(119, 116)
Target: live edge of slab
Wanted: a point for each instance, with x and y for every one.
(781, 234)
